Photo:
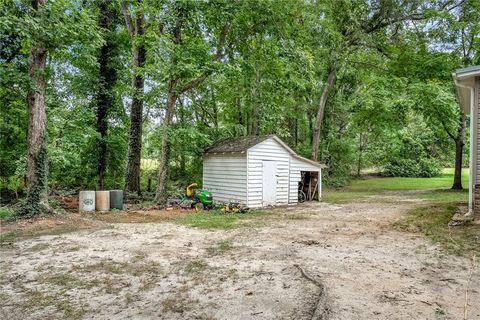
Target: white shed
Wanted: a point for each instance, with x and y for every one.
(259, 171)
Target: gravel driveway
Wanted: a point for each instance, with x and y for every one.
(314, 260)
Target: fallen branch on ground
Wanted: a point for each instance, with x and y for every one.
(320, 309)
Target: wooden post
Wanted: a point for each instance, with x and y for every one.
(310, 187)
(315, 190)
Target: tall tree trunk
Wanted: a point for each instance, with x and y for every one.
(107, 78)
(215, 111)
(132, 180)
(296, 132)
(459, 144)
(37, 162)
(310, 128)
(181, 157)
(321, 110)
(256, 104)
(238, 106)
(360, 154)
(173, 93)
(161, 193)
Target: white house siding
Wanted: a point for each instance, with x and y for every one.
(296, 166)
(477, 127)
(267, 150)
(225, 175)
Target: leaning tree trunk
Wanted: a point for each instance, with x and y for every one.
(321, 110)
(37, 162)
(132, 180)
(107, 78)
(459, 144)
(161, 194)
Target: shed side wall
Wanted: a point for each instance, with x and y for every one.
(226, 177)
(296, 166)
(273, 151)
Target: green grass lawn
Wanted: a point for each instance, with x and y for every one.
(430, 218)
(436, 188)
(216, 220)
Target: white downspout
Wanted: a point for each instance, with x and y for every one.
(473, 120)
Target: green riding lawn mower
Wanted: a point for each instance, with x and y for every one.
(201, 199)
(193, 198)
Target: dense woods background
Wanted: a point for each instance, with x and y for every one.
(127, 94)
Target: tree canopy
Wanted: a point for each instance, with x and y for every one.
(134, 90)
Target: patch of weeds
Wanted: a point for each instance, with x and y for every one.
(221, 247)
(344, 196)
(143, 268)
(179, 303)
(196, 266)
(432, 220)
(215, 219)
(42, 267)
(439, 311)
(173, 304)
(66, 281)
(38, 247)
(104, 266)
(129, 298)
(5, 267)
(135, 267)
(147, 283)
(109, 286)
(7, 238)
(7, 213)
(139, 256)
(297, 216)
(4, 297)
(73, 249)
(36, 299)
(70, 311)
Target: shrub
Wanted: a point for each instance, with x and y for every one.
(6, 213)
(423, 168)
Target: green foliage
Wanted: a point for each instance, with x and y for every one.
(424, 168)
(392, 106)
(415, 155)
(33, 203)
(6, 213)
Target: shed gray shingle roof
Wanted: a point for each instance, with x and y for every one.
(242, 144)
(239, 144)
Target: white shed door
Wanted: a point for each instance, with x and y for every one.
(269, 182)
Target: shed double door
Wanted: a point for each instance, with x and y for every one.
(269, 189)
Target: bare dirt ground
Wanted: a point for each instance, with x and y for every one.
(274, 267)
